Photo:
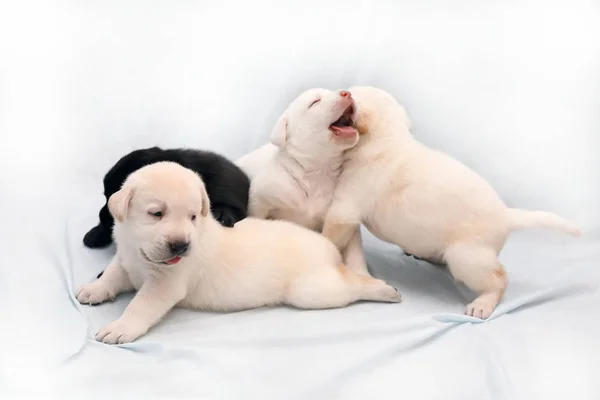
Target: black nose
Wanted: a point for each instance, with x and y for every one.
(178, 248)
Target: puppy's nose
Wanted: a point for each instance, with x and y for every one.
(178, 248)
(345, 93)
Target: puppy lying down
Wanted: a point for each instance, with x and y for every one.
(426, 202)
(174, 253)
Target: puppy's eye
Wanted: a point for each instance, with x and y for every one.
(314, 102)
(157, 214)
(193, 217)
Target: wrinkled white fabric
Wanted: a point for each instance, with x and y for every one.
(509, 88)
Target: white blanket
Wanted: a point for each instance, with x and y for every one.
(512, 90)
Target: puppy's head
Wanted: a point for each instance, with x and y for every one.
(378, 109)
(157, 211)
(317, 124)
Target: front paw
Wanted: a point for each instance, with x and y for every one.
(223, 217)
(94, 293)
(120, 331)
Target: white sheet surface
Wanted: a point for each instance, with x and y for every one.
(510, 88)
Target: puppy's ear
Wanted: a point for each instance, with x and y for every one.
(364, 120)
(205, 203)
(279, 134)
(118, 203)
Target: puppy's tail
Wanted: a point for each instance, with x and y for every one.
(520, 219)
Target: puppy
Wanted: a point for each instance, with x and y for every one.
(426, 202)
(227, 186)
(293, 177)
(174, 253)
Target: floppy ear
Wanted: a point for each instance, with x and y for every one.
(119, 202)
(205, 202)
(364, 120)
(279, 134)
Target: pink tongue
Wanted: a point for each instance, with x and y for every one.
(173, 260)
(344, 131)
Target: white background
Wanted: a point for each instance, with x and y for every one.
(511, 88)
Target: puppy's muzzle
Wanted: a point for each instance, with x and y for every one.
(178, 248)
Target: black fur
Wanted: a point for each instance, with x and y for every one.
(226, 184)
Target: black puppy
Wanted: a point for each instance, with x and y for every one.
(226, 184)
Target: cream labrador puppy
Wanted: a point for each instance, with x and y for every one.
(172, 251)
(294, 176)
(426, 202)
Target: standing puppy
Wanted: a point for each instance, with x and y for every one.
(172, 250)
(426, 202)
(294, 177)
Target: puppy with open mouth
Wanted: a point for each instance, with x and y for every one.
(293, 177)
(174, 253)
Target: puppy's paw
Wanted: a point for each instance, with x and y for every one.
(94, 293)
(482, 307)
(121, 331)
(389, 293)
(223, 217)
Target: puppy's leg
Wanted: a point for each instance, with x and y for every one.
(226, 215)
(155, 298)
(113, 281)
(338, 287)
(258, 207)
(341, 222)
(339, 233)
(101, 234)
(354, 255)
(478, 267)
(369, 288)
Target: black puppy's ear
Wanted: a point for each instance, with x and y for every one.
(118, 203)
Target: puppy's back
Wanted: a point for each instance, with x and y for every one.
(128, 164)
(282, 240)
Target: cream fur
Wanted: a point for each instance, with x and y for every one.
(425, 201)
(293, 178)
(256, 263)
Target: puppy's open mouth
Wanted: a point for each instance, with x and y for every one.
(170, 261)
(343, 126)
